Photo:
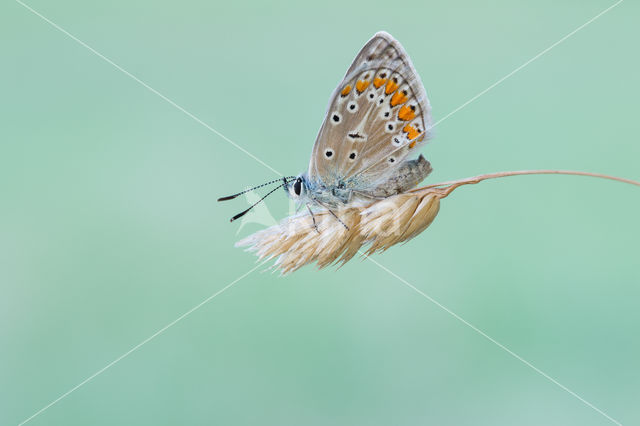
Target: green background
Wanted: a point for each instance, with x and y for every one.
(110, 229)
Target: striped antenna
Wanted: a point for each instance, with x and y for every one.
(239, 215)
(231, 197)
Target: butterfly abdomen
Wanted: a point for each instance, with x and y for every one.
(409, 174)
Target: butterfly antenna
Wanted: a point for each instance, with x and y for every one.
(239, 215)
(231, 197)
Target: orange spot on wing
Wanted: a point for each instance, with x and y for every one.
(361, 85)
(398, 98)
(378, 82)
(406, 113)
(391, 87)
(346, 90)
(411, 132)
(412, 144)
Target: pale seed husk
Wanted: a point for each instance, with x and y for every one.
(381, 224)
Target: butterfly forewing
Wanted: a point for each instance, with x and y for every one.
(377, 115)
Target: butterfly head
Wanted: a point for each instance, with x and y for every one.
(297, 188)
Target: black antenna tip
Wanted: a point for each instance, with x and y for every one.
(228, 197)
(239, 215)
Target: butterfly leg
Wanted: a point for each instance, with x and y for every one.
(332, 213)
(315, 225)
(338, 219)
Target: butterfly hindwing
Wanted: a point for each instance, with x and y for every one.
(376, 116)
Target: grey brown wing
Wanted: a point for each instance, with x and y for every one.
(377, 115)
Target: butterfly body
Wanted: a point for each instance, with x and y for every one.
(376, 117)
(406, 176)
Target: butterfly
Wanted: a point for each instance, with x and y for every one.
(377, 117)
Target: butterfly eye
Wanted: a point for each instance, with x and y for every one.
(297, 186)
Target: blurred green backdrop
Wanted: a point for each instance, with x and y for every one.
(109, 228)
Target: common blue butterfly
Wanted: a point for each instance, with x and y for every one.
(376, 117)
